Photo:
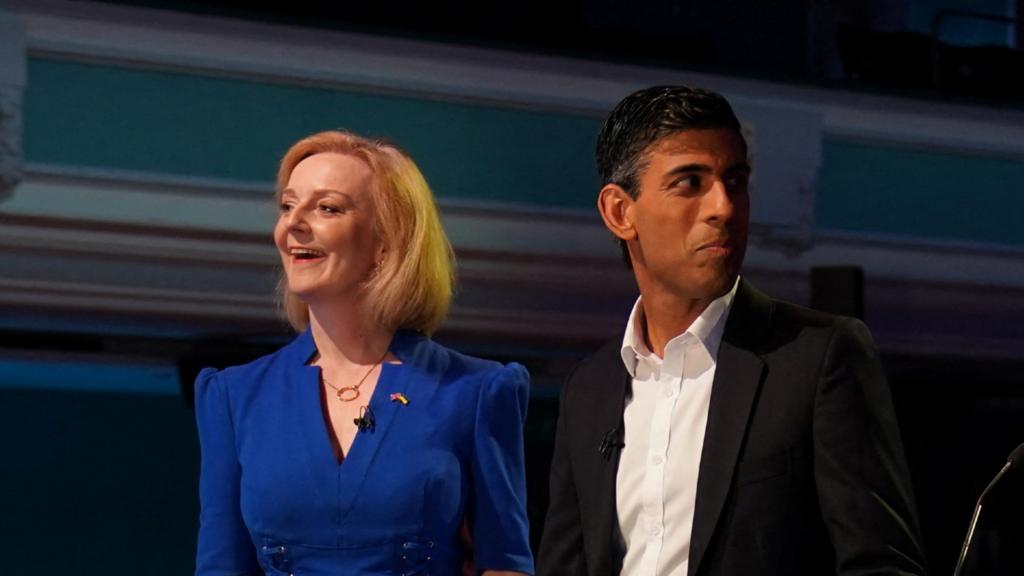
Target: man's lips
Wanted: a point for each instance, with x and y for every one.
(716, 248)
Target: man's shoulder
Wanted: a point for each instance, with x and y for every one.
(752, 305)
(785, 326)
(601, 371)
(602, 360)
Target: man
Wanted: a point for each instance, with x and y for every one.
(726, 433)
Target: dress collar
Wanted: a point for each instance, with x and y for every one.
(404, 345)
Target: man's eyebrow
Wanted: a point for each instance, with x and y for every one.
(692, 167)
(741, 167)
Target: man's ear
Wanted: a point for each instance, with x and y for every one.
(616, 208)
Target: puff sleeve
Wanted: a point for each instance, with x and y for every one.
(498, 507)
(224, 547)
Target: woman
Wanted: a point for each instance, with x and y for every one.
(362, 447)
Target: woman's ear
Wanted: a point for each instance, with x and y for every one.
(616, 208)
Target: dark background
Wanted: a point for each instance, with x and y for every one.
(64, 477)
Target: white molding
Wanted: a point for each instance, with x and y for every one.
(904, 259)
(130, 245)
(517, 272)
(178, 219)
(149, 301)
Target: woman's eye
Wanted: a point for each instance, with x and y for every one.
(285, 207)
(328, 209)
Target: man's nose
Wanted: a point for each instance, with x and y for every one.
(719, 205)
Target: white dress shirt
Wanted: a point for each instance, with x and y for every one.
(665, 418)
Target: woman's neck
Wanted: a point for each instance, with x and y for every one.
(346, 336)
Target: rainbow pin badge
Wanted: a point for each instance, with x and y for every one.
(399, 397)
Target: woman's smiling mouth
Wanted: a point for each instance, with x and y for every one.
(305, 254)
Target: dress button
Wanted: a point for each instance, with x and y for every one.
(669, 392)
(657, 460)
(656, 531)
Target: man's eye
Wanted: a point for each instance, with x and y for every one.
(689, 181)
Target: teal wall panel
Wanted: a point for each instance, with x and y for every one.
(161, 122)
(100, 116)
(920, 193)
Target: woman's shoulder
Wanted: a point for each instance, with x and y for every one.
(456, 363)
(260, 369)
(481, 375)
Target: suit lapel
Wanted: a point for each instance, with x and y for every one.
(619, 388)
(601, 400)
(738, 375)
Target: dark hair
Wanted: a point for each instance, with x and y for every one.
(643, 118)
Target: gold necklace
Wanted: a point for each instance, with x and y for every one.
(350, 393)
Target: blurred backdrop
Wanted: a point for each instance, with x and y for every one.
(138, 146)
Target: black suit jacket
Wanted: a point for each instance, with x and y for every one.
(801, 473)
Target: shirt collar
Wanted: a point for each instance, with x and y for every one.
(708, 328)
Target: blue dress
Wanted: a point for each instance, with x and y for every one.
(274, 498)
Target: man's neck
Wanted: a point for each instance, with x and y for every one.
(666, 317)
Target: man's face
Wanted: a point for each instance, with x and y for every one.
(691, 216)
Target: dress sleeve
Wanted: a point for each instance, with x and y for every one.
(224, 547)
(498, 508)
(863, 483)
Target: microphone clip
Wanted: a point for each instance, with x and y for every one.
(612, 441)
(365, 421)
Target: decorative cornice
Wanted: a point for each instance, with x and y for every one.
(12, 84)
(524, 275)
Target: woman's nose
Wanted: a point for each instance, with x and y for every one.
(295, 219)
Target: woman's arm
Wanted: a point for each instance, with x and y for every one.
(224, 546)
(497, 514)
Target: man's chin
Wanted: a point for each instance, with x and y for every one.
(719, 285)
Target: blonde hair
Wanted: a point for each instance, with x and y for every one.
(412, 287)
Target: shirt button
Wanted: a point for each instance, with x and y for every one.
(656, 531)
(657, 460)
(669, 392)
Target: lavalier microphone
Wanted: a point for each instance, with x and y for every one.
(365, 420)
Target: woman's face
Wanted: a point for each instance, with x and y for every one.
(325, 230)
